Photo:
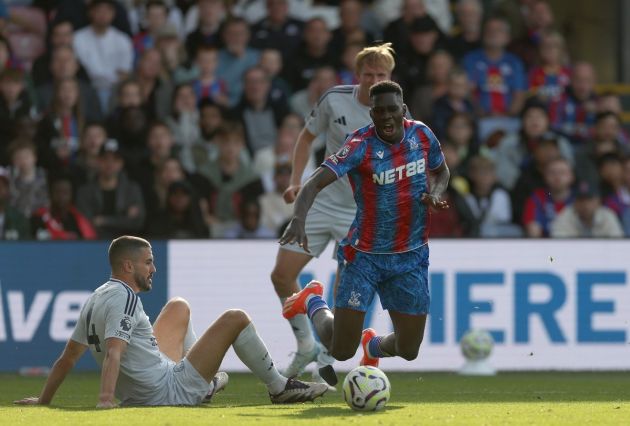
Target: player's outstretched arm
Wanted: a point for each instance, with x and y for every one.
(438, 183)
(301, 153)
(109, 374)
(69, 357)
(294, 231)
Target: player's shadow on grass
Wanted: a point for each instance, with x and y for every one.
(319, 411)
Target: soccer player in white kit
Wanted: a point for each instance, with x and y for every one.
(339, 112)
(163, 364)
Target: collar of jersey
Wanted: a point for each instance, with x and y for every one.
(116, 280)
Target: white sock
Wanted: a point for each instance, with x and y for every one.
(190, 338)
(301, 326)
(250, 349)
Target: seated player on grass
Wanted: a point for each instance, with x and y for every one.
(163, 364)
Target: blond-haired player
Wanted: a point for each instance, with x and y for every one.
(339, 112)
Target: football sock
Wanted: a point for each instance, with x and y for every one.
(250, 349)
(190, 338)
(315, 303)
(376, 345)
(302, 331)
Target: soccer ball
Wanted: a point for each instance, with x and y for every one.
(366, 389)
(476, 345)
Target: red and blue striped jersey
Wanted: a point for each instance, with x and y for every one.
(388, 181)
(549, 86)
(495, 82)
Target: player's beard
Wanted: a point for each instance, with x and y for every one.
(142, 282)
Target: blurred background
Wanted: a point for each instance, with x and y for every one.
(176, 120)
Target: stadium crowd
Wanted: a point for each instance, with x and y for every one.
(177, 118)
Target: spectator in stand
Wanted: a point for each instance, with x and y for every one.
(489, 203)
(112, 202)
(277, 30)
(7, 59)
(397, 31)
(211, 119)
(610, 168)
(156, 17)
(61, 127)
(168, 171)
(14, 104)
(207, 84)
(129, 122)
(211, 15)
(62, 220)
(184, 118)
(159, 147)
(78, 13)
(93, 138)
(236, 57)
(620, 200)
(274, 211)
(467, 37)
(544, 204)
(64, 65)
(350, 30)
(539, 20)
(249, 225)
(573, 113)
(29, 190)
(156, 91)
(456, 100)
(346, 74)
(460, 131)
(604, 141)
(313, 52)
(61, 34)
(259, 115)
(104, 51)
(173, 54)
(498, 77)
(532, 175)
(611, 102)
(457, 221)
(13, 224)
(272, 62)
(439, 67)
(549, 79)
(515, 150)
(586, 217)
(411, 67)
(233, 179)
(303, 101)
(181, 218)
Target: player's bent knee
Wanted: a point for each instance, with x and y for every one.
(236, 318)
(280, 278)
(408, 353)
(178, 303)
(342, 355)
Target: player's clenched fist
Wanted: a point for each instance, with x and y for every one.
(290, 194)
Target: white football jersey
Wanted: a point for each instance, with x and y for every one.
(115, 311)
(337, 114)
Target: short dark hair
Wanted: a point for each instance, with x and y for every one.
(125, 246)
(386, 86)
(600, 116)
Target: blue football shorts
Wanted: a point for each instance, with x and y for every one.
(400, 279)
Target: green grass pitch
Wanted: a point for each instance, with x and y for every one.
(418, 398)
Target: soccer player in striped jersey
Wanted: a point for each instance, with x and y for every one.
(163, 364)
(339, 112)
(398, 173)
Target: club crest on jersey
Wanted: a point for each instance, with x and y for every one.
(413, 143)
(380, 154)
